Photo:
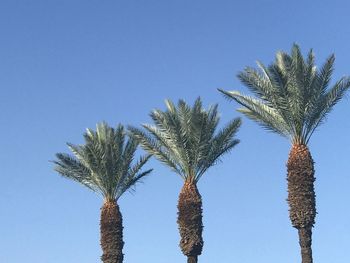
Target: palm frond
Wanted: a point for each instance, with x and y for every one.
(104, 163)
(293, 98)
(183, 137)
(220, 144)
(154, 147)
(257, 110)
(72, 169)
(130, 183)
(326, 104)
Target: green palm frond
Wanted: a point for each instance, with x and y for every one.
(325, 105)
(267, 116)
(154, 147)
(293, 97)
(219, 144)
(105, 163)
(183, 137)
(71, 168)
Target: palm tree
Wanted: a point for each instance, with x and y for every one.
(105, 165)
(184, 139)
(293, 100)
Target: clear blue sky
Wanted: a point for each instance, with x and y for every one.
(66, 65)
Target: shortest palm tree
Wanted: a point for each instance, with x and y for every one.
(105, 165)
(186, 139)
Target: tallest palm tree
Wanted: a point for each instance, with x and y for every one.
(294, 98)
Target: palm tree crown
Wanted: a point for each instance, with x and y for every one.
(184, 137)
(104, 163)
(293, 96)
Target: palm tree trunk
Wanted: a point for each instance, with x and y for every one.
(192, 259)
(301, 196)
(305, 239)
(190, 221)
(111, 226)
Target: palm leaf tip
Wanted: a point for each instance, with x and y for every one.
(225, 93)
(230, 95)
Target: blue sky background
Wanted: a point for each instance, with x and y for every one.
(66, 65)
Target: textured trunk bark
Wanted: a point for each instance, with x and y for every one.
(190, 221)
(301, 196)
(192, 259)
(111, 226)
(305, 239)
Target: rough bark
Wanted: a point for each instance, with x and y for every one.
(305, 238)
(190, 221)
(301, 196)
(192, 259)
(111, 226)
